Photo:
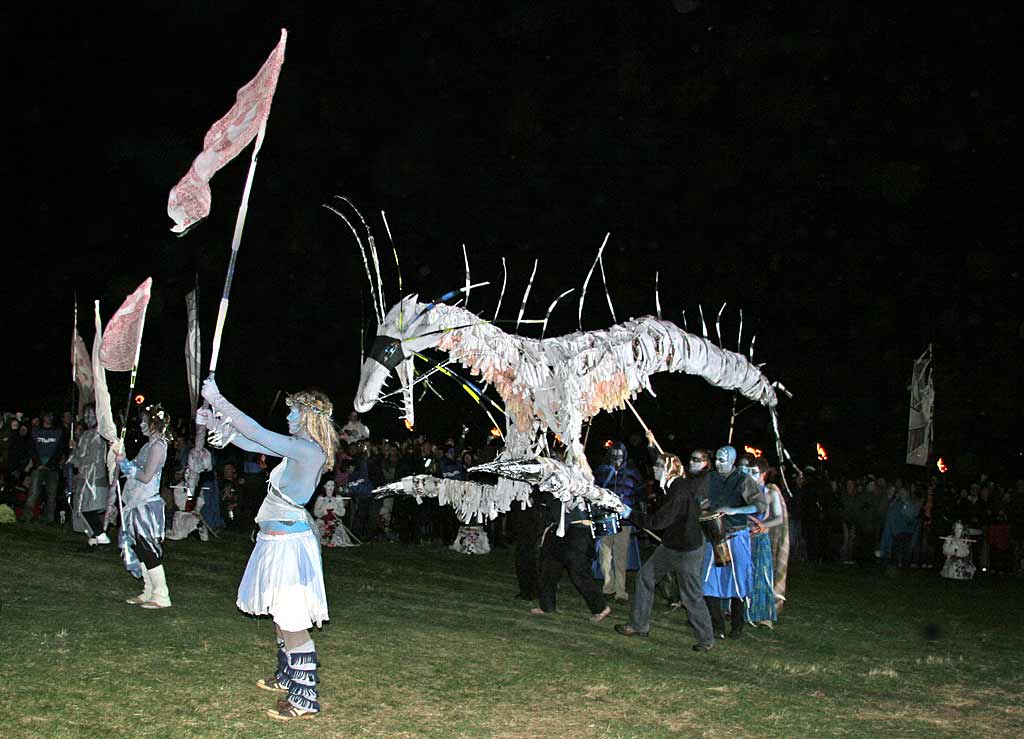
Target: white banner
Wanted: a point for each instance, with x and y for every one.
(922, 403)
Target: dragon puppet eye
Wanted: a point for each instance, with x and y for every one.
(387, 351)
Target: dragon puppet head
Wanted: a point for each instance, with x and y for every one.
(400, 336)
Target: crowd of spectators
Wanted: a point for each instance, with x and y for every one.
(859, 518)
(868, 518)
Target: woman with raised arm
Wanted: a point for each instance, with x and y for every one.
(284, 577)
(144, 508)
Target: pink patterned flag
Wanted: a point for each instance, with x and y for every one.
(189, 201)
(120, 346)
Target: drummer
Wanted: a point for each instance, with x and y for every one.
(736, 495)
(680, 550)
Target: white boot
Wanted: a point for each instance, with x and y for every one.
(147, 588)
(102, 539)
(161, 598)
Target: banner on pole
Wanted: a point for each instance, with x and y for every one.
(81, 370)
(922, 403)
(192, 350)
(121, 337)
(190, 200)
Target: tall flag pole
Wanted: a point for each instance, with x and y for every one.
(192, 347)
(189, 201)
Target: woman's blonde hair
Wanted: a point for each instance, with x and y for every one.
(672, 464)
(315, 410)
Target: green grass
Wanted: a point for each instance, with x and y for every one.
(424, 642)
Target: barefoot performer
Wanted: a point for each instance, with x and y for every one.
(284, 577)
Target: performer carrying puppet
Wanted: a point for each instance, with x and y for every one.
(680, 551)
(284, 577)
(144, 508)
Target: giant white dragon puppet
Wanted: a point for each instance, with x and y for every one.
(550, 388)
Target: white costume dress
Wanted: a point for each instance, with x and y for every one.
(328, 511)
(143, 506)
(471, 540)
(189, 498)
(187, 516)
(284, 577)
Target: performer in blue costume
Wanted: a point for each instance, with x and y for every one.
(762, 611)
(144, 508)
(284, 577)
(737, 496)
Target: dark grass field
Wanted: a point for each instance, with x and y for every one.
(424, 642)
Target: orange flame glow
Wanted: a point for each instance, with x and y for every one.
(754, 451)
(822, 454)
(495, 432)
(408, 424)
(608, 444)
(140, 399)
(942, 466)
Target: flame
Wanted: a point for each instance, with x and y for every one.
(757, 453)
(608, 444)
(822, 454)
(495, 432)
(942, 466)
(140, 399)
(408, 424)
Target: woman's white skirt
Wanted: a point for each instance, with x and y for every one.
(285, 579)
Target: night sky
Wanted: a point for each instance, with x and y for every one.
(840, 172)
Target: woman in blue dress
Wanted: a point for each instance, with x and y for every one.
(284, 577)
(762, 611)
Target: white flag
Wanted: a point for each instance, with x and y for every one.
(922, 402)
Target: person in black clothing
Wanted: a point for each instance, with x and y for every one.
(19, 452)
(573, 552)
(526, 527)
(811, 506)
(681, 550)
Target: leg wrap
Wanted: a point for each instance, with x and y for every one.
(301, 677)
(282, 666)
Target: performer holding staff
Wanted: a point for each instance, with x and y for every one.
(144, 508)
(284, 576)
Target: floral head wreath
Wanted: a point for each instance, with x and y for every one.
(303, 400)
(155, 411)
